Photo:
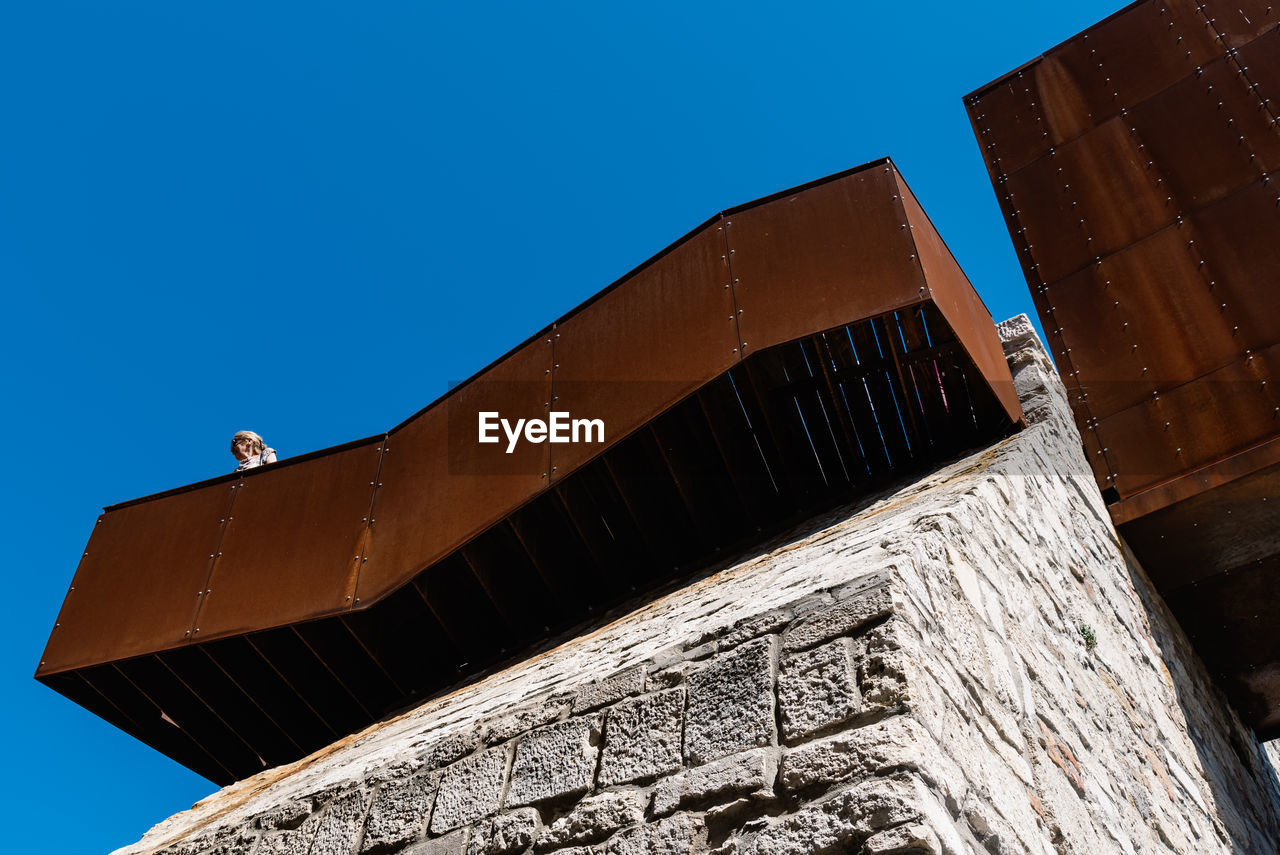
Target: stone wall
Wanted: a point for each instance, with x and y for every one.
(971, 663)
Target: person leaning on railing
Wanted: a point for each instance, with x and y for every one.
(251, 450)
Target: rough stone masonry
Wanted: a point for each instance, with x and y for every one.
(971, 663)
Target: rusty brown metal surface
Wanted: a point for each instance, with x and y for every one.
(1196, 482)
(1134, 165)
(813, 258)
(135, 589)
(306, 523)
(955, 298)
(682, 304)
(744, 378)
(439, 487)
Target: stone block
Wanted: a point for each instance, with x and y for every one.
(469, 789)
(676, 835)
(749, 773)
(730, 703)
(914, 837)
(817, 688)
(505, 833)
(340, 825)
(237, 843)
(399, 811)
(554, 761)
(858, 609)
(1015, 330)
(289, 814)
(642, 738)
(594, 818)
(445, 750)
(525, 718)
(896, 743)
(454, 843)
(840, 823)
(293, 841)
(609, 690)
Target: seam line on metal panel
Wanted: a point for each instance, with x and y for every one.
(362, 549)
(548, 468)
(733, 287)
(202, 595)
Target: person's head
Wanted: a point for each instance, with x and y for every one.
(246, 444)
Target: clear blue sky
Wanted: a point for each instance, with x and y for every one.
(307, 218)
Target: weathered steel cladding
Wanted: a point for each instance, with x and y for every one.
(682, 303)
(138, 584)
(785, 355)
(341, 530)
(1135, 165)
(308, 521)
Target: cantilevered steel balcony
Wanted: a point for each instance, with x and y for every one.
(786, 355)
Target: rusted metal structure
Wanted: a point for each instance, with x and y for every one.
(1135, 165)
(786, 355)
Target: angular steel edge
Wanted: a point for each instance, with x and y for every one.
(969, 337)
(1224, 471)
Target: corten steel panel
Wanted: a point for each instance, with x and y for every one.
(1194, 424)
(1135, 54)
(135, 589)
(1233, 144)
(962, 307)
(625, 357)
(1241, 21)
(438, 486)
(1153, 253)
(1014, 107)
(820, 257)
(1067, 202)
(1239, 240)
(1197, 481)
(291, 548)
(1127, 338)
(1259, 64)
